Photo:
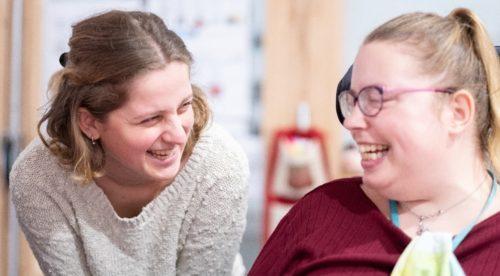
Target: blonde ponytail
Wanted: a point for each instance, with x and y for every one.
(488, 56)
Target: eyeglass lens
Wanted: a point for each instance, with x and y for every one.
(369, 101)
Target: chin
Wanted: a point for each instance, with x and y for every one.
(382, 186)
(375, 182)
(170, 173)
(161, 178)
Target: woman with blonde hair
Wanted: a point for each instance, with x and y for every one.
(130, 178)
(424, 109)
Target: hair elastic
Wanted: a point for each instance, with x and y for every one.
(63, 58)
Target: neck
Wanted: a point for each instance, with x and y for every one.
(447, 190)
(436, 191)
(460, 216)
(129, 199)
(127, 192)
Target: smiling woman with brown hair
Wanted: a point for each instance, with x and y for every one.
(131, 179)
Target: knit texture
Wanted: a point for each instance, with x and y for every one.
(193, 227)
(337, 230)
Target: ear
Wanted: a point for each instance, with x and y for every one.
(88, 124)
(461, 111)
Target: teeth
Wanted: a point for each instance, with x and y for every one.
(372, 155)
(372, 151)
(161, 153)
(372, 148)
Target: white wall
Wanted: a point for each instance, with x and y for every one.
(362, 16)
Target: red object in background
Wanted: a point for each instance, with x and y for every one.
(215, 90)
(298, 179)
(198, 23)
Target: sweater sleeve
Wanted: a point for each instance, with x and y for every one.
(41, 212)
(215, 233)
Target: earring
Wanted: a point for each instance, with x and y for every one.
(93, 141)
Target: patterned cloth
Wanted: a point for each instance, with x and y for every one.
(429, 254)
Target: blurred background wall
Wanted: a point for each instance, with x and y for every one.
(257, 60)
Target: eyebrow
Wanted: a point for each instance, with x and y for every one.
(145, 115)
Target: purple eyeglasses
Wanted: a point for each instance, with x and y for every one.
(371, 98)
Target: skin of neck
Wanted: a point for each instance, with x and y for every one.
(127, 193)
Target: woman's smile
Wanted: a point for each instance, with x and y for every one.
(372, 151)
(162, 154)
(372, 154)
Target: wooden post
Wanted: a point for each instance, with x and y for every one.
(5, 46)
(31, 92)
(31, 68)
(302, 56)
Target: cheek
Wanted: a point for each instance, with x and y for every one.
(188, 120)
(420, 138)
(140, 139)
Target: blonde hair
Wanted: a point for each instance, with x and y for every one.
(106, 52)
(459, 46)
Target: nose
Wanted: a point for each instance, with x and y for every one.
(174, 132)
(355, 120)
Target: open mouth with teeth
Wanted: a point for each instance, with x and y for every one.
(373, 151)
(161, 154)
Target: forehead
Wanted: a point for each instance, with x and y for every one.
(173, 76)
(156, 90)
(388, 64)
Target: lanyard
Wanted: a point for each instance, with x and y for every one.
(460, 236)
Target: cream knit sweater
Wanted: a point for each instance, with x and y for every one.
(193, 227)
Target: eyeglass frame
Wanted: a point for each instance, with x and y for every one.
(383, 91)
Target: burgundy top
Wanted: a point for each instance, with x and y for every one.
(336, 229)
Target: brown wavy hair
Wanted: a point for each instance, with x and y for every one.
(459, 46)
(106, 52)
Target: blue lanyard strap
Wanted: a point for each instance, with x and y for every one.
(393, 205)
(461, 236)
(394, 212)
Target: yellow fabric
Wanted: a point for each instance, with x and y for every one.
(429, 254)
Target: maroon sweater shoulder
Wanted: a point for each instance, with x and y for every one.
(337, 230)
(335, 221)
